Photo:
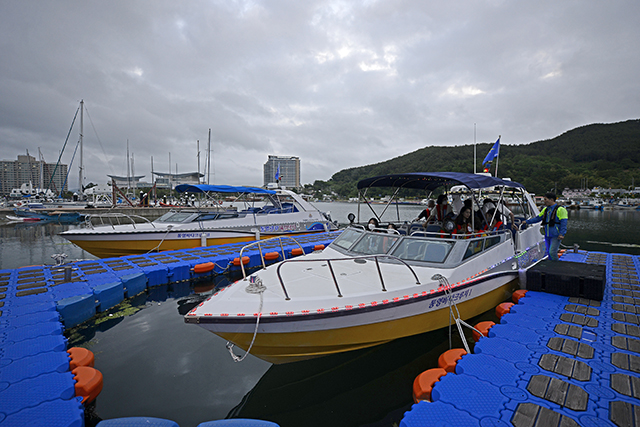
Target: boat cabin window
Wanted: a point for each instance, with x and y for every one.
(375, 243)
(476, 246)
(423, 250)
(347, 238)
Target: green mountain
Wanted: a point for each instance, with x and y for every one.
(603, 155)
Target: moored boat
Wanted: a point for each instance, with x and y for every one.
(284, 213)
(373, 286)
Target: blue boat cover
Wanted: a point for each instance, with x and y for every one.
(205, 188)
(432, 180)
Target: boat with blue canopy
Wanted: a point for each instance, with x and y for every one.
(375, 284)
(256, 213)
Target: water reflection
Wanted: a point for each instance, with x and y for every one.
(24, 243)
(370, 387)
(156, 365)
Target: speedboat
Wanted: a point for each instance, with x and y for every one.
(371, 286)
(283, 213)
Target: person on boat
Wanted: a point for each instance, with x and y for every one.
(463, 222)
(373, 224)
(478, 221)
(489, 204)
(554, 221)
(496, 221)
(427, 211)
(391, 227)
(441, 211)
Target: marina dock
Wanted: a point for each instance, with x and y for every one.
(37, 386)
(551, 361)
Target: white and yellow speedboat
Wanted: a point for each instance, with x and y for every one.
(284, 213)
(370, 286)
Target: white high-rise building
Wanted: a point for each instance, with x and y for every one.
(288, 168)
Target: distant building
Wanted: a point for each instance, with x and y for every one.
(26, 169)
(127, 181)
(569, 193)
(170, 180)
(289, 171)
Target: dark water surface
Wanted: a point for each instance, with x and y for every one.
(155, 365)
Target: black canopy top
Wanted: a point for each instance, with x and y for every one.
(432, 180)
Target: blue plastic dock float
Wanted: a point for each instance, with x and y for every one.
(552, 360)
(37, 387)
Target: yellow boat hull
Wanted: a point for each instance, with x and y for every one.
(281, 348)
(126, 246)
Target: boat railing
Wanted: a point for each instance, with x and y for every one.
(115, 218)
(260, 243)
(329, 262)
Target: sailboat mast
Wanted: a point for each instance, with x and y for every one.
(209, 159)
(81, 172)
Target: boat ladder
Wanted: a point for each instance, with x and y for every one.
(454, 315)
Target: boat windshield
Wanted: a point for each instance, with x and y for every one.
(375, 243)
(423, 250)
(175, 217)
(347, 238)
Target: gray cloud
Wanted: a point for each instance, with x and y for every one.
(339, 84)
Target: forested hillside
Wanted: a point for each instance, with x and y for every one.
(604, 155)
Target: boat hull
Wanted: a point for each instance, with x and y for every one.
(286, 347)
(115, 245)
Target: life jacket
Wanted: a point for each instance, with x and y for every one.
(552, 218)
(497, 226)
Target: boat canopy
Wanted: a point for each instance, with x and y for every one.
(205, 188)
(432, 180)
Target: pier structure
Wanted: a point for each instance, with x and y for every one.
(552, 360)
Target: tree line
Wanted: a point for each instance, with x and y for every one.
(602, 155)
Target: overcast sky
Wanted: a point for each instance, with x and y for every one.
(337, 83)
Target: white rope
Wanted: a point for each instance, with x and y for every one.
(255, 286)
(459, 322)
(164, 237)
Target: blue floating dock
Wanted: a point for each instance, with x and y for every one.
(552, 360)
(37, 303)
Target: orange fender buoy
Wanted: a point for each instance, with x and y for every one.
(318, 247)
(296, 252)
(520, 293)
(503, 309)
(484, 328)
(245, 261)
(80, 357)
(271, 256)
(423, 384)
(449, 359)
(88, 383)
(203, 268)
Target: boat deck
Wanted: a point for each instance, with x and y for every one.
(37, 303)
(551, 361)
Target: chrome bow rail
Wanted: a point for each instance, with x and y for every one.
(333, 275)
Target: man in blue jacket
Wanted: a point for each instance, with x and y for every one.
(554, 221)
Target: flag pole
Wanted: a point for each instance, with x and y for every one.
(475, 161)
(498, 157)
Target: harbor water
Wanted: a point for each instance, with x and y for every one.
(155, 365)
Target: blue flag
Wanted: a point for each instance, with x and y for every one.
(493, 153)
(278, 173)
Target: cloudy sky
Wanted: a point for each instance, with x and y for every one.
(337, 83)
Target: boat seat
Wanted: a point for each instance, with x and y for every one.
(433, 228)
(415, 227)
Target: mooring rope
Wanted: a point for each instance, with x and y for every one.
(459, 322)
(255, 286)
